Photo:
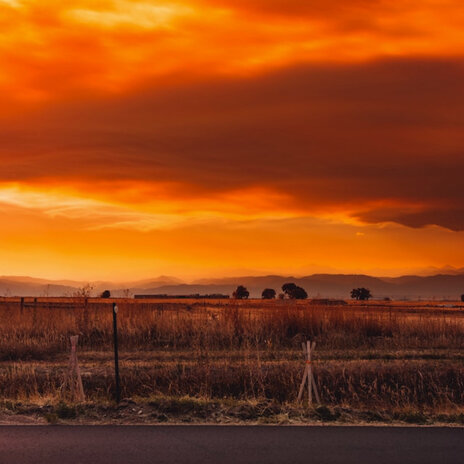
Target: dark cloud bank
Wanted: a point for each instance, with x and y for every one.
(383, 139)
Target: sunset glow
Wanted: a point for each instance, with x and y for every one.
(218, 137)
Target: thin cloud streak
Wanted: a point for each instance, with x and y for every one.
(92, 214)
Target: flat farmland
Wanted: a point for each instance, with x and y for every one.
(227, 361)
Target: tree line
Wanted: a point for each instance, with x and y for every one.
(289, 290)
(294, 292)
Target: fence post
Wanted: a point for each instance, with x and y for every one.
(73, 376)
(116, 354)
(308, 376)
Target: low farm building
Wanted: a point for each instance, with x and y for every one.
(328, 302)
(189, 297)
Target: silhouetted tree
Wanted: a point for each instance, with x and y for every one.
(83, 292)
(288, 288)
(241, 293)
(294, 292)
(268, 294)
(361, 293)
(299, 294)
(462, 298)
(105, 294)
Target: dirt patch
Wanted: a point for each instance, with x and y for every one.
(169, 410)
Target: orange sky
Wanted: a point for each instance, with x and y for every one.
(216, 137)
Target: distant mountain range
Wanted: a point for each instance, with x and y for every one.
(441, 286)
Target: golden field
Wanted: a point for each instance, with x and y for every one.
(383, 360)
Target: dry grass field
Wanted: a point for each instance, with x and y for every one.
(228, 360)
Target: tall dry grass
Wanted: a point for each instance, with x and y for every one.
(241, 350)
(357, 384)
(36, 332)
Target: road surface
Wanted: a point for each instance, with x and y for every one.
(228, 444)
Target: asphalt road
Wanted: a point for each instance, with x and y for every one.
(224, 445)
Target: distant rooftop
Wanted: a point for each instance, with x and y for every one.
(195, 296)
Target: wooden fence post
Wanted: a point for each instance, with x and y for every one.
(308, 376)
(73, 377)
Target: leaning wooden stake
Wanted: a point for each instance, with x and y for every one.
(73, 377)
(308, 375)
